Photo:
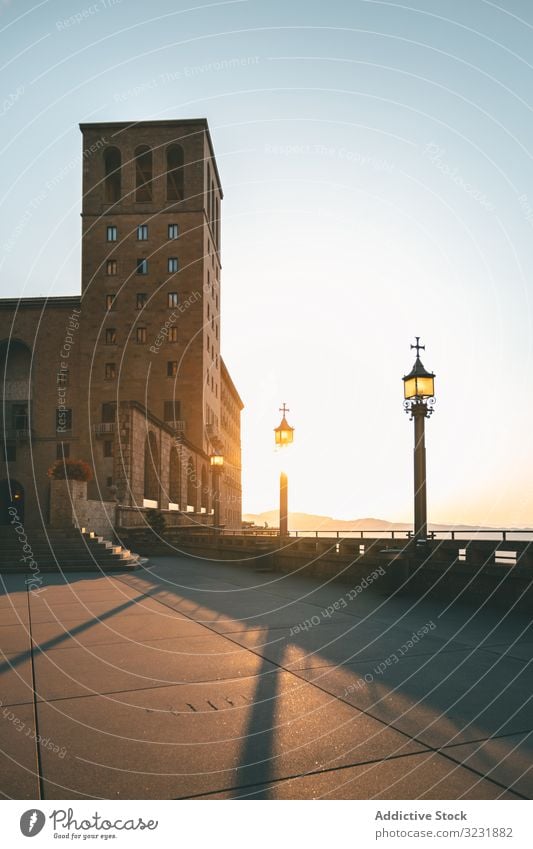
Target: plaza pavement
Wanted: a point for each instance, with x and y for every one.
(195, 679)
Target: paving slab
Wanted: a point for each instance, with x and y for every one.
(17, 615)
(115, 629)
(508, 760)
(520, 650)
(453, 697)
(329, 643)
(198, 738)
(79, 671)
(15, 678)
(18, 753)
(14, 638)
(423, 776)
(50, 611)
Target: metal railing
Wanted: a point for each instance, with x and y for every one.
(491, 534)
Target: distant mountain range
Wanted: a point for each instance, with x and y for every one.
(313, 522)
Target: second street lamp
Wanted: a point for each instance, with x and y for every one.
(419, 395)
(284, 435)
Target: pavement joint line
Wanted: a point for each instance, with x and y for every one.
(382, 722)
(486, 739)
(345, 664)
(313, 773)
(92, 695)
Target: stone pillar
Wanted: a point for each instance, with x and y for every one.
(67, 501)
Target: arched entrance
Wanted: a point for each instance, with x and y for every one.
(11, 498)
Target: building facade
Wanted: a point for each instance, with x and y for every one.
(129, 375)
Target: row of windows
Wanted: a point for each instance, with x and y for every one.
(171, 411)
(140, 335)
(141, 299)
(110, 369)
(141, 266)
(142, 232)
(143, 173)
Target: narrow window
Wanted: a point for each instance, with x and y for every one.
(112, 181)
(112, 234)
(108, 448)
(108, 412)
(143, 174)
(173, 231)
(175, 189)
(172, 368)
(141, 335)
(141, 300)
(111, 336)
(173, 334)
(109, 481)
(142, 232)
(63, 377)
(62, 450)
(173, 299)
(109, 300)
(110, 371)
(172, 412)
(172, 264)
(111, 267)
(142, 266)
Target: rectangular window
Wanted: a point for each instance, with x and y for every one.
(63, 419)
(108, 448)
(142, 266)
(111, 336)
(111, 267)
(141, 300)
(173, 334)
(172, 368)
(173, 299)
(62, 450)
(142, 232)
(109, 481)
(172, 411)
(141, 335)
(110, 300)
(110, 371)
(173, 231)
(172, 264)
(108, 412)
(112, 234)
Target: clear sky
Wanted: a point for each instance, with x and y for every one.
(376, 159)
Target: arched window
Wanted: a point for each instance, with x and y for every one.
(113, 179)
(175, 182)
(151, 468)
(143, 173)
(174, 494)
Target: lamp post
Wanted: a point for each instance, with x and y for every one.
(284, 435)
(216, 461)
(419, 395)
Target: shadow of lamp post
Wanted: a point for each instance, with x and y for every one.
(284, 434)
(419, 395)
(217, 462)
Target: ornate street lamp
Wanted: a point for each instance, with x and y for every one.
(216, 461)
(419, 395)
(284, 435)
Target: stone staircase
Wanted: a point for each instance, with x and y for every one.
(66, 549)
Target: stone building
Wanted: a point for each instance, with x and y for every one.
(128, 375)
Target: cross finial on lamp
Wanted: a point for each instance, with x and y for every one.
(418, 347)
(284, 409)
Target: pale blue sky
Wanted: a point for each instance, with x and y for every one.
(377, 166)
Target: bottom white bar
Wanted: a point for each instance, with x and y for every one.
(231, 825)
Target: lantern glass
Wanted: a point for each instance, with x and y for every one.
(217, 460)
(419, 387)
(284, 436)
